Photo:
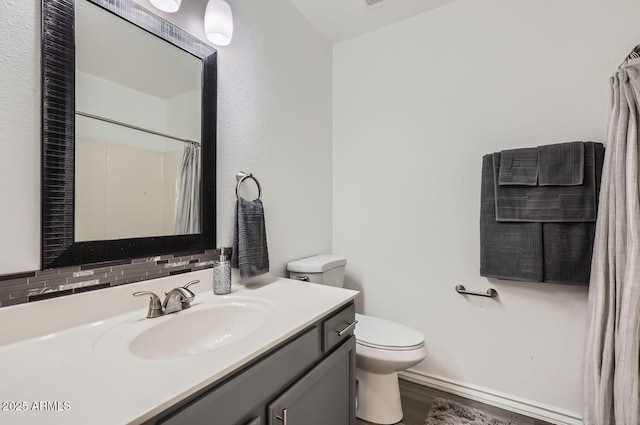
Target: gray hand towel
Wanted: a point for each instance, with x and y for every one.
(507, 250)
(561, 164)
(518, 167)
(551, 203)
(250, 253)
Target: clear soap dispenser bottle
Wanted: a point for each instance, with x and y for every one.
(222, 272)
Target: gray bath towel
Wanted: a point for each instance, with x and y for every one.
(568, 247)
(561, 164)
(518, 167)
(598, 149)
(555, 204)
(539, 252)
(567, 252)
(250, 253)
(507, 250)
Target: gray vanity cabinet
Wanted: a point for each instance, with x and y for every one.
(322, 396)
(311, 375)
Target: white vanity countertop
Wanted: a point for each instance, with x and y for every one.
(86, 375)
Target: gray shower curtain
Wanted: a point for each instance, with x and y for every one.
(611, 376)
(188, 191)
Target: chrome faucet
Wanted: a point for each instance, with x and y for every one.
(177, 299)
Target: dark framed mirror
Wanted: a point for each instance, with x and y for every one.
(61, 243)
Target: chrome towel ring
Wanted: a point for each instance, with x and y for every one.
(242, 176)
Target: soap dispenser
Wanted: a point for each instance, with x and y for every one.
(222, 271)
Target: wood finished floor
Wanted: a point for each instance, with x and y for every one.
(417, 400)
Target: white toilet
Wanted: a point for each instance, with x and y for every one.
(382, 347)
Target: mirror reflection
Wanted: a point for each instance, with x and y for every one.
(138, 131)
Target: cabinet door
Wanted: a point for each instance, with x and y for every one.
(325, 395)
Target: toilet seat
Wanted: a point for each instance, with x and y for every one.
(382, 334)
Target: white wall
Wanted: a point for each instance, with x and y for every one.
(274, 119)
(20, 136)
(184, 115)
(416, 105)
(105, 98)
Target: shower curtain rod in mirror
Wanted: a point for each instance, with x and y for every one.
(110, 121)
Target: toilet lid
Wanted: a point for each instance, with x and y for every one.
(380, 333)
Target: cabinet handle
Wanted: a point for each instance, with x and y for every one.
(347, 328)
(284, 417)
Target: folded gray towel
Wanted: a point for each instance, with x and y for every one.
(507, 250)
(250, 253)
(518, 167)
(551, 203)
(568, 248)
(539, 252)
(561, 164)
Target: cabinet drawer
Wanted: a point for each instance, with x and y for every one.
(234, 401)
(338, 327)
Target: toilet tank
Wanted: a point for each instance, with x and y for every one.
(324, 269)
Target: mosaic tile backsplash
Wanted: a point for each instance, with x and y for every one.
(50, 283)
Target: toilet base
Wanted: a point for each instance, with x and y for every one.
(378, 397)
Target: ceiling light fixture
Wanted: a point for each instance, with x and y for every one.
(168, 6)
(218, 19)
(218, 22)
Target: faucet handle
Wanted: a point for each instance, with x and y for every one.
(186, 303)
(155, 305)
(193, 282)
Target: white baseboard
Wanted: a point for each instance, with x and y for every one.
(493, 398)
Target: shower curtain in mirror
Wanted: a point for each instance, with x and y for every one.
(611, 392)
(188, 191)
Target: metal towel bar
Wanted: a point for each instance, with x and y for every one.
(242, 176)
(491, 293)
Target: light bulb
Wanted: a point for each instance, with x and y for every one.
(218, 22)
(169, 6)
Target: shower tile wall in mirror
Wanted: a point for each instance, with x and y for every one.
(50, 283)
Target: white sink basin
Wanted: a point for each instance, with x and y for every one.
(188, 332)
(201, 328)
